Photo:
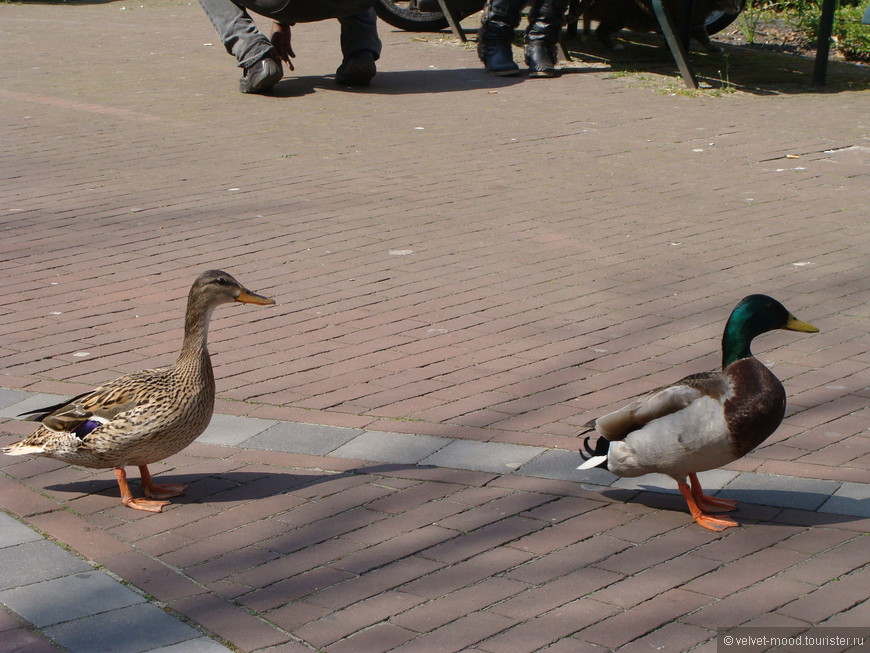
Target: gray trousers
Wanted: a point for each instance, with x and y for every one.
(248, 44)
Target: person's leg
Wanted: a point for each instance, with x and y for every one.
(237, 31)
(542, 37)
(360, 32)
(250, 47)
(360, 48)
(496, 33)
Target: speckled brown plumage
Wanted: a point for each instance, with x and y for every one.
(146, 416)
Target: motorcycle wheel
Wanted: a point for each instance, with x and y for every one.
(719, 20)
(405, 15)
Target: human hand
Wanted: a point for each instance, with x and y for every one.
(280, 39)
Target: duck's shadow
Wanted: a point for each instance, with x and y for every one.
(241, 486)
(781, 506)
(234, 486)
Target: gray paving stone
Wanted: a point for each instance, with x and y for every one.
(648, 483)
(780, 491)
(401, 448)
(13, 532)
(562, 465)
(483, 456)
(70, 597)
(378, 446)
(133, 629)
(229, 430)
(849, 499)
(201, 645)
(711, 481)
(294, 437)
(30, 402)
(11, 397)
(34, 562)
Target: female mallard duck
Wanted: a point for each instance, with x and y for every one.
(145, 416)
(705, 420)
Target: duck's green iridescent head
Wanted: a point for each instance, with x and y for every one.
(754, 315)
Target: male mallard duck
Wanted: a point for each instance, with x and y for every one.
(705, 420)
(145, 416)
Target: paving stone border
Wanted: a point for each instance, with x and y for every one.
(82, 608)
(843, 498)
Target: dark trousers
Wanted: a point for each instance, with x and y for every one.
(248, 44)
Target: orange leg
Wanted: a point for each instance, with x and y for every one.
(153, 491)
(708, 503)
(127, 497)
(707, 521)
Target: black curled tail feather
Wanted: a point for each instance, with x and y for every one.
(39, 414)
(602, 445)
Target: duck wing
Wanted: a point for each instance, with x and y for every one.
(99, 405)
(658, 403)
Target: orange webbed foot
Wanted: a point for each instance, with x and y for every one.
(715, 504)
(154, 491)
(145, 504)
(137, 504)
(163, 491)
(714, 523)
(706, 502)
(707, 521)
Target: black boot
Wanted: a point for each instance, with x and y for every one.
(496, 33)
(542, 36)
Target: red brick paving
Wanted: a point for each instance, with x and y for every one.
(571, 247)
(482, 587)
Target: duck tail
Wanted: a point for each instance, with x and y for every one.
(39, 414)
(35, 415)
(22, 448)
(596, 457)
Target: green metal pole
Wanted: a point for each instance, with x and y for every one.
(678, 50)
(823, 49)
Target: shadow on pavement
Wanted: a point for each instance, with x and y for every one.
(646, 58)
(220, 487)
(752, 505)
(405, 82)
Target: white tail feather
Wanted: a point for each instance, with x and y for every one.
(15, 449)
(593, 462)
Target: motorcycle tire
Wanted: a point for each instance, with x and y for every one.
(719, 20)
(404, 15)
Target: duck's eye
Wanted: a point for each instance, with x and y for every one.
(222, 281)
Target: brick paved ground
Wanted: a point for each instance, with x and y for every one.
(280, 552)
(453, 255)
